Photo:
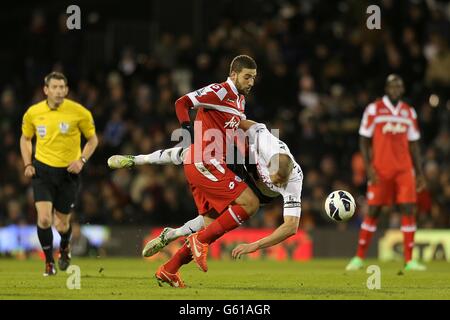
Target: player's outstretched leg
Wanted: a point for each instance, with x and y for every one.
(121, 161)
(160, 157)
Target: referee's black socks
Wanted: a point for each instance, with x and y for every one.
(46, 239)
(65, 238)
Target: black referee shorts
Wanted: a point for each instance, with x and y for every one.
(56, 185)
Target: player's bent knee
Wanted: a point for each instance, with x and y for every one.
(44, 223)
(62, 226)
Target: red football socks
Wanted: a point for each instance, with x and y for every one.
(408, 228)
(230, 219)
(227, 221)
(182, 256)
(368, 228)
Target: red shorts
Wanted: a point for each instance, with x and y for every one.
(398, 188)
(213, 186)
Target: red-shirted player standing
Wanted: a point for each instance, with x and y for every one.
(218, 192)
(389, 137)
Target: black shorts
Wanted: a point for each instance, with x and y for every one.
(56, 185)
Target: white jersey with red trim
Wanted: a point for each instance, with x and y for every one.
(390, 128)
(220, 109)
(263, 146)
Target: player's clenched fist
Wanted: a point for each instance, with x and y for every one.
(244, 248)
(75, 166)
(29, 171)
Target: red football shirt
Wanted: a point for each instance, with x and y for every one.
(220, 110)
(390, 128)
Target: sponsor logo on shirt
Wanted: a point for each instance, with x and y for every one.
(233, 123)
(389, 127)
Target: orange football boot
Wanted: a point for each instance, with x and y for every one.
(173, 279)
(199, 251)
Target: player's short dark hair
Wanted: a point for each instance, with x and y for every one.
(55, 75)
(241, 62)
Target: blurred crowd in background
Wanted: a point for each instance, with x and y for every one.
(318, 68)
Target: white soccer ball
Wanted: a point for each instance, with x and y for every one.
(340, 205)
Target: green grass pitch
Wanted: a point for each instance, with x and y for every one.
(120, 278)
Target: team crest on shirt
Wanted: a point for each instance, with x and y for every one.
(63, 127)
(404, 113)
(41, 130)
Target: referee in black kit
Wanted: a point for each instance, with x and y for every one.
(57, 123)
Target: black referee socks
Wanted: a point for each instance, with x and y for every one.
(65, 238)
(46, 239)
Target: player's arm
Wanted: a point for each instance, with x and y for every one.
(284, 231)
(88, 149)
(87, 127)
(366, 131)
(210, 97)
(365, 146)
(26, 146)
(182, 107)
(173, 155)
(414, 148)
(246, 124)
(26, 149)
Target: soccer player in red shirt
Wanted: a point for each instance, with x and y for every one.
(389, 137)
(222, 197)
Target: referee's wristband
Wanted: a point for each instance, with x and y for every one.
(27, 165)
(83, 159)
